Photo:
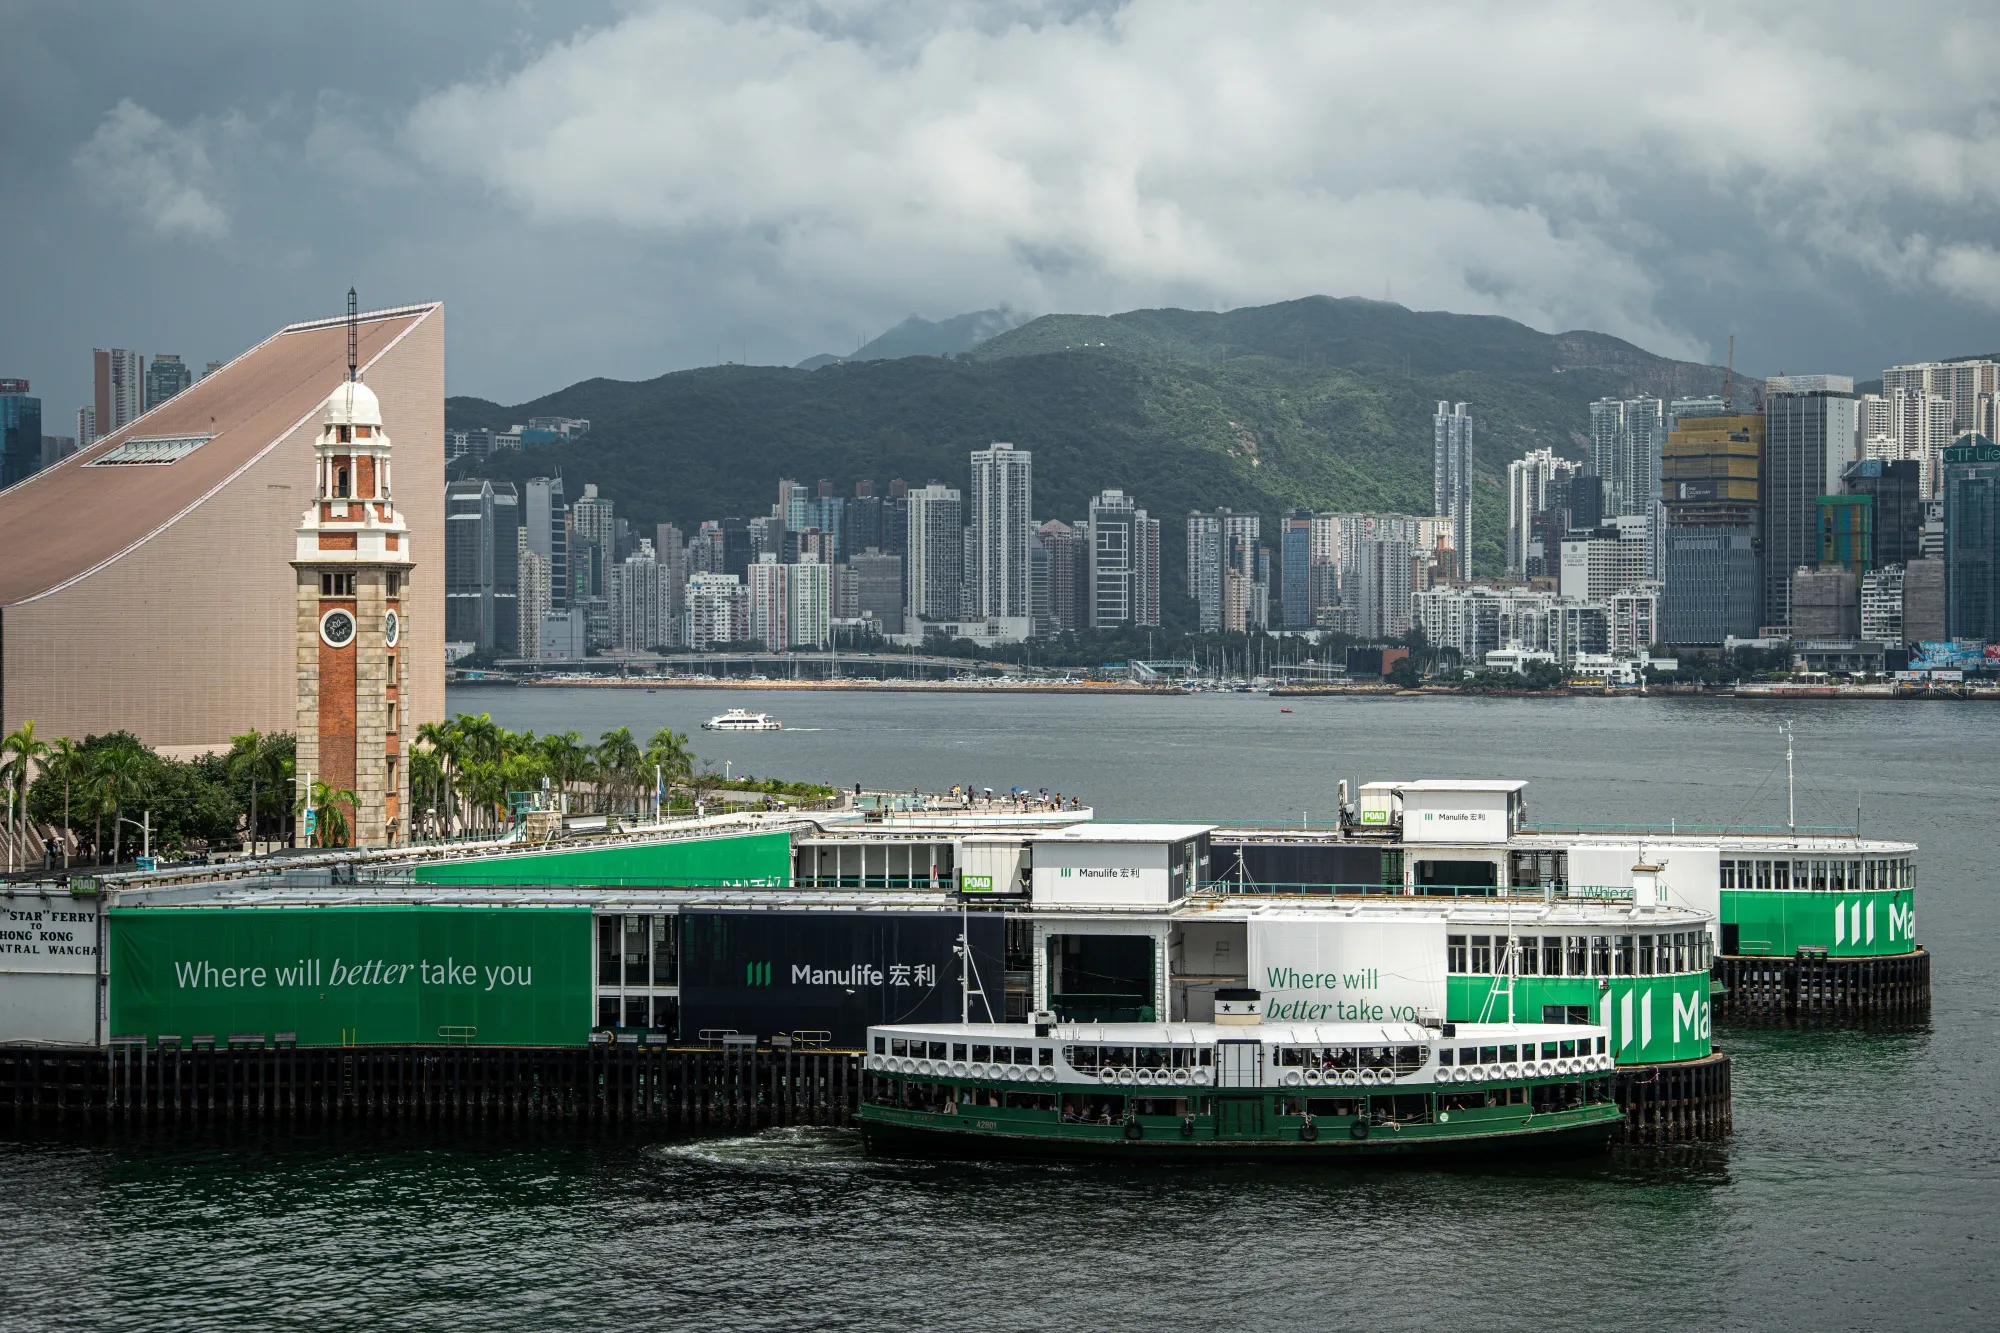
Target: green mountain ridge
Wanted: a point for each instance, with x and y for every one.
(1321, 403)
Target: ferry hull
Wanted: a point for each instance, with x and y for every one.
(882, 1138)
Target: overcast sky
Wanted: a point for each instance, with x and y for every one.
(623, 188)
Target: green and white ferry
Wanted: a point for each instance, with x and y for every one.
(1237, 1088)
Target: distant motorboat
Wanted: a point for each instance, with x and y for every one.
(740, 719)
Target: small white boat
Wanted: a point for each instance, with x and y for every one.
(739, 719)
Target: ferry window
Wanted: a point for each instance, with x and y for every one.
(1819, 875)
(1528, 958)
(1600, 955)
(1548, 1050)
(607, 951)
(638, 963)
(607, 1011)
(897, 1046)
(1600, 1045)
(881, 1046)
(1728, 874)
(1024, 1055)
(1048, 1055)
(1489, 1055)
(1482, 953)
(1462, 1101)
(1409, 1059)
(1781, 874)
(1552, 955)
(1469, 1055)
(1622, 957)
(958, 1050)
(1763, 876)
(1454, 953)
(1508, 1054)
(1684, 952)
(937, 1050)
(666, 953)
(1568, 1050)
(1444, 1055)
(1645, 955)
(981, 1054)
(1579, 955)
(1031, 1101)
(1344, 1057)
(1836, 876)
(1333, 1106)
(638, 1011)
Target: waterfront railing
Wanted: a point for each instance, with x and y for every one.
(1616, 893)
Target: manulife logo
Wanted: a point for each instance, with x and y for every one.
(1854, 921)
(756, 974)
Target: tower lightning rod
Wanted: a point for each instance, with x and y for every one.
(353, 338)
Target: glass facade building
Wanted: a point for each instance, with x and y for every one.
(1972, 539)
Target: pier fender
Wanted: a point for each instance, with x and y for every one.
(1134, 1130)
(1187, 1127)
(1358, 1130)
(1308, 1131)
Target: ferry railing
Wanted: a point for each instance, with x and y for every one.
(1674, 828)
(1518, 892)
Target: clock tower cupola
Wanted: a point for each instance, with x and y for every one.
(353, 562)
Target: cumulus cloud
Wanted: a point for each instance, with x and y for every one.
(1546, 161)
(161, 174)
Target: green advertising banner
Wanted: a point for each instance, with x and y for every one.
(757, 860)
(1860, 923)
(1651, 1018)
(354, 976)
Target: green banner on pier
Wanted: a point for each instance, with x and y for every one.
(354, 976)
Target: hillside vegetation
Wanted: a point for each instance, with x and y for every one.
(1318, 403)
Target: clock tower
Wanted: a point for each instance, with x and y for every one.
(353, 564)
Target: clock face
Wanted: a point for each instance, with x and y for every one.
(392, 628)
(336, 628)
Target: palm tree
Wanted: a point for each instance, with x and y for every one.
(668, 752)
(618, 760)
(121, 768)
(251, 753)
(446, 740)
(25, 750)
(566, 759)
(331, 805)
(63, 758)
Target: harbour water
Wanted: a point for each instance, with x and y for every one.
(1861, 1188)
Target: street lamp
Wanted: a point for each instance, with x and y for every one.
(146, 830)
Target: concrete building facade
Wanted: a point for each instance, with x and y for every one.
(145, 581)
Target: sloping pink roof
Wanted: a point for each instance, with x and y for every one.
(68, 519)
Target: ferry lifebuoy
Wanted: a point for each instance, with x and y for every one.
(1349, 1077)
(1444, 1075)
(1107, 1076)
(1182, 1077)
(1127, 1076)
(1048, 1074)
(1562, 1066)
(1201, 1077)
(1513, 1071)
(923, 1066)
(1314, 1077)
(1014, 1074)
(1293, 1078)
(1459, 1075)
(958, 1071)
